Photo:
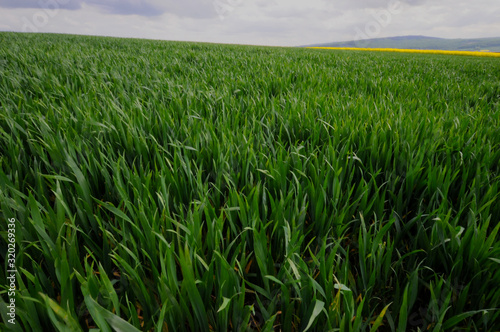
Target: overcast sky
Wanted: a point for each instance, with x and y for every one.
(260, 22)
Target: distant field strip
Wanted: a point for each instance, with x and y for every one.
(400, 50)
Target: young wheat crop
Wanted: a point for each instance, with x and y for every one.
(166, 186)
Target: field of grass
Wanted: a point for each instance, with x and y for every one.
(163, 186)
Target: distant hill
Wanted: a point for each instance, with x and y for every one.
(423, 43)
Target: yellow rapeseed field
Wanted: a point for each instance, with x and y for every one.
(487, 54)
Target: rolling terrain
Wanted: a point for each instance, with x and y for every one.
(423, 43)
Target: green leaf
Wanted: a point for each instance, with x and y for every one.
(379, 319)
(403, 311)
(225, 303)
(274, 279)
(453, 321)
(496, 260)
(318, 307)
(60, 317)
(57, 177)
(342, 287)
(102, 316)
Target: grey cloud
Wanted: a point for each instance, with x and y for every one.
(148, 8)
(414, 2)
(464, 19)
(53, 4)
(371, 4)
(127, 7)
(185, 8)
(191, 8)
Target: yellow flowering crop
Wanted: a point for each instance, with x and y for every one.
(471, 53)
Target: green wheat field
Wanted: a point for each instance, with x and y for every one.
(168, 186)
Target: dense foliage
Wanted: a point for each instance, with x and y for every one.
(179, 186)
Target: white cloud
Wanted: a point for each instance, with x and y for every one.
(274, 22)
